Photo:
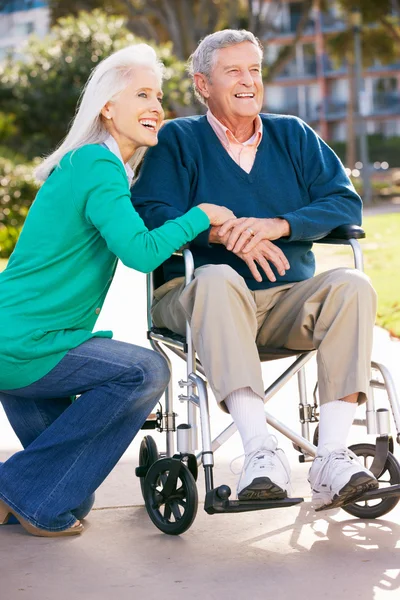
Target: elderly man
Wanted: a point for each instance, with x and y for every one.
(254, 283)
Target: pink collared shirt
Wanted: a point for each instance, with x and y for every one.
(243, 153)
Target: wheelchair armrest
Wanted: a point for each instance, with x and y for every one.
(342, 234)
(180, 251)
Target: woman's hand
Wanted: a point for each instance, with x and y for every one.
(217, 214)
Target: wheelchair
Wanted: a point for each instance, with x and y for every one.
(168, 479)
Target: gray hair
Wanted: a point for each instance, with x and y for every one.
(110, 77)
(203, 58)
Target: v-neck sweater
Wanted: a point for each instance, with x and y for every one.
(295, 176)
(57, 278)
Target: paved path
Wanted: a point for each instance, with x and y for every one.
(272, 554)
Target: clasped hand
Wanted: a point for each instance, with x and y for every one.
(247, 232)
(250, 239)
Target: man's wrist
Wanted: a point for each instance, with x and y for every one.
(284, 227)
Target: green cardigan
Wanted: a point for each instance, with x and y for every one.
(58, 276)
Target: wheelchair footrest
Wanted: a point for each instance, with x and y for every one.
(386, 492)
(217, 501)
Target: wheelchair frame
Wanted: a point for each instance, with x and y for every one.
(155, 474)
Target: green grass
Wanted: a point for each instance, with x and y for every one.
(382, 263)
(381, 251)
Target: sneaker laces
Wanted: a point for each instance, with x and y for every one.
(251, 457)
(329, 463)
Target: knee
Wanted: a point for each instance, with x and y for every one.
(156, 373)
(215, 278)
(354, 282)
(149, 377)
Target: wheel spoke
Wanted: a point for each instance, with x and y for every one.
(167, 511)
(176, 510)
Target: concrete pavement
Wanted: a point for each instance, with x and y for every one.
(279, 553)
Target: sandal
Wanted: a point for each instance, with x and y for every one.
(6, 512)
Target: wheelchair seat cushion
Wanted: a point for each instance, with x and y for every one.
(265, 353)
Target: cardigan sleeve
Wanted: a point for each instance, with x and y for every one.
(102, 193)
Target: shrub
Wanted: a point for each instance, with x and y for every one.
(18, 189)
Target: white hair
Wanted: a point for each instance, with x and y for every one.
(203, 58)
(110, 77)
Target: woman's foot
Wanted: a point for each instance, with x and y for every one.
(6, 512)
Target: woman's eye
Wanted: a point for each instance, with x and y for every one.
(160, 100)
(142, 95)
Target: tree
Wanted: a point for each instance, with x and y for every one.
(380, 39)
(186, 22)
(40, 92)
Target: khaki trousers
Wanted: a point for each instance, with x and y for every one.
(333, 312)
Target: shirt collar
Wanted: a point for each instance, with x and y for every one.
(226, 136)
(112, 145)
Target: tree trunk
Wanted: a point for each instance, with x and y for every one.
(351, 150)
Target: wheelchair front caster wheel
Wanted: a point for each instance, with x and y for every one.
(371, 509)
(170, 495)
(148, 454)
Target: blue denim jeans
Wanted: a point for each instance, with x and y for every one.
(70, 448)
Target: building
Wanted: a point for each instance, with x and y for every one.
(20, 18)
(313, 88)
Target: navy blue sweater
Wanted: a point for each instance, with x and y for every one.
(295, 176)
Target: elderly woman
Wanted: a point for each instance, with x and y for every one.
(51, 294)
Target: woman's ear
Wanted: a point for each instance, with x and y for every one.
(106, 111)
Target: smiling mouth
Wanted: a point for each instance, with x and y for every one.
(245, 95)
(149, 124)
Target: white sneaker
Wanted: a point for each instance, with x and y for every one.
(339, 478)
(265, 476)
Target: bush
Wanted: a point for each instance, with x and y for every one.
(39, 93)
(17, 191)
(380, 149)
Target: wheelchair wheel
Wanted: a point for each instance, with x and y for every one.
(390, 475)
(148, 454)
(170, 495)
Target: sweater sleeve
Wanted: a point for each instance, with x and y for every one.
(163, 189)
(333, 199)
(102, 192)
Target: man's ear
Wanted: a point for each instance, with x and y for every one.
(202, 84)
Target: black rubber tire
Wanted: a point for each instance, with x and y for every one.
(183, 501)
(390, 474)
(148, 454)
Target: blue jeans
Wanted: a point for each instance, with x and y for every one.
(70, 448)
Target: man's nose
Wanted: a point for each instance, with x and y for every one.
(246, 78)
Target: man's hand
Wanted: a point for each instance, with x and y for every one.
(246, 233)
(261, 255)
(264, 253)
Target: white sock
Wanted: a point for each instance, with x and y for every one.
(247, 411)
(336, 418)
